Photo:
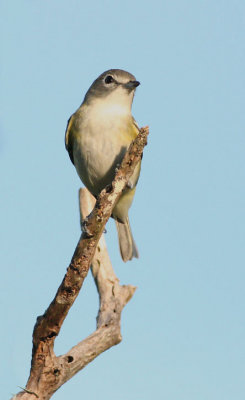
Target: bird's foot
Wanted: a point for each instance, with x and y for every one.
(130, 185)
(85, 228)
(117, 167)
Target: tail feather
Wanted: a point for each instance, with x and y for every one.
(127, 244)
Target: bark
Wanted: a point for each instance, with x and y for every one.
(49, 372)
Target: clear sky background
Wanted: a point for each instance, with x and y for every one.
(184, 330)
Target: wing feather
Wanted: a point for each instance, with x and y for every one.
(69, 137)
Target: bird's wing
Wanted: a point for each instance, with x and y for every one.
(68, 137)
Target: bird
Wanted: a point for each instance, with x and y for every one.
(97, 136)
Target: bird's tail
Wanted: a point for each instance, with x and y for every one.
(127, 244)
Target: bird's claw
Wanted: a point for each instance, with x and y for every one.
(130, 185)
(85, 228)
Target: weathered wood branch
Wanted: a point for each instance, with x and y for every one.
(49, 372)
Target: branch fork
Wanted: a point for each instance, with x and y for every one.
(49, 372)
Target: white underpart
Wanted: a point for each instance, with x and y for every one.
(118, 103)
(102, 139)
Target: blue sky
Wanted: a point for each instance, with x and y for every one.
(183, 332)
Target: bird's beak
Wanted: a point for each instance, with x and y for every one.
(131, 85)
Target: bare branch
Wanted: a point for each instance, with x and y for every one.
(49, 372)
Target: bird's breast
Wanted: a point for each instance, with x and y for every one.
(101, 141)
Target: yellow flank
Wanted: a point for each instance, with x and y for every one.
(127, 132)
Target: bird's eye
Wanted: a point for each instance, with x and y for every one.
(109, 79)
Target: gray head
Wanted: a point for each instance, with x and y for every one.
(114, 83)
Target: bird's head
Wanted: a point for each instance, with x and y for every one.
(114, 86)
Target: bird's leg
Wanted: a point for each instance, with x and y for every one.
(85, 228)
